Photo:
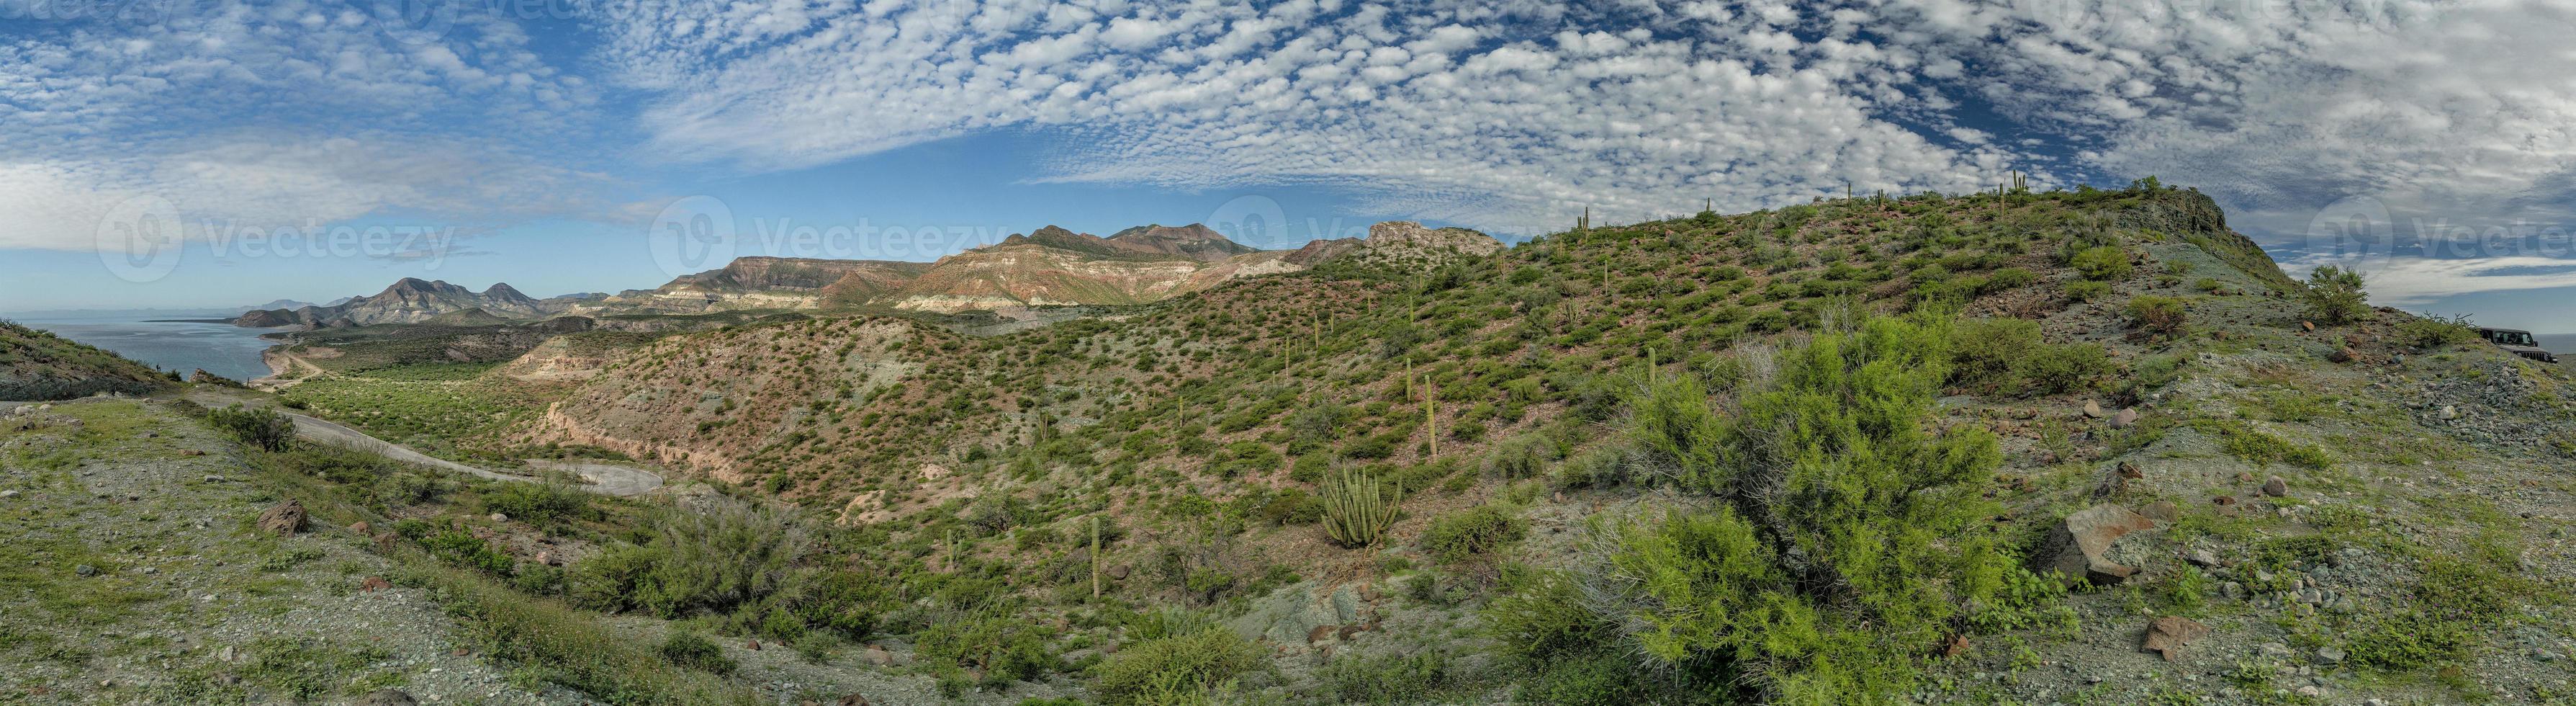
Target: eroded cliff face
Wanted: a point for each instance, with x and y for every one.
(711, 402)
(1048, 267)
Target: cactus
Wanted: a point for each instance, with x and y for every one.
(1431, 419)
(1356, 510)
(1095, 557)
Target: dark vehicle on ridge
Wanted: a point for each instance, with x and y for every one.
(2519, 342)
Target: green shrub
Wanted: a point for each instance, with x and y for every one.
(1293, 506)
(2163, 316)
(1356, 678)
(1001, 644)
(2108, 263)
(1846, 536)
(1473, 532)
(2334, 295)
(2056, 369)
(1522, 456)
(691, 650)
(2087, 290)
(731, 555)
(259, 428)
(2428, 332)
(1175, 669)
(2010, 278)
(538, 503)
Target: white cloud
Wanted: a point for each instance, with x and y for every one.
(2409, 282)
(279, 114)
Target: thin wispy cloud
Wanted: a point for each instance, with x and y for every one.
(1511, 116)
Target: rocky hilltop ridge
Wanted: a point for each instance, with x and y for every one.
(1050, 266)
(410, 300)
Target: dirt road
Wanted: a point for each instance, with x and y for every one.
(604, 479)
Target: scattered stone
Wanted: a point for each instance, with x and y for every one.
(374, 584)
(360, 527)
(2330, 654)
(7, 494)
(2093, 409)
(85, 570)
(2342, 355)
(228, 653)
(878, 656)
(2307, 326)
(2203, 558)
(2162, 511)
(498, 517)
(753, 645)
(1118, 572)
(2127, 417)
(2130, 470)
(2276, 487)
(854, 700)
(2449, 412)
(2169, 634)
(387, 697)
(214, 479)
(2224, 500)
(2078, 549)
(285, 519)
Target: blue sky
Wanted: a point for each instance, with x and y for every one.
(554, 144)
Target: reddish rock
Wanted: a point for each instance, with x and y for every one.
(360, 527)
(285, 519)
(2078, 548)
(2276, 487)
(2169, 634)
(374, 584)
(2130, 470)
(2127, 417)
(1955, 646)
(2224, 500)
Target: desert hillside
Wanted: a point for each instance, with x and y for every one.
(38, 365)
(2063, 447)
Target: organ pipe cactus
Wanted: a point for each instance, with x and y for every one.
(1356, 509)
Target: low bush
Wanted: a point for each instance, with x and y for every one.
(1522, 456)
(1176, 669)
(2162, 316)
(259, 428)
(2107, 263)
(2429, 332)
(1473, 533)
(688, 649)
(2334, 295)
(538, 503)
(1844, 533)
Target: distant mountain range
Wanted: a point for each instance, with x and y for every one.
(1051, 266)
